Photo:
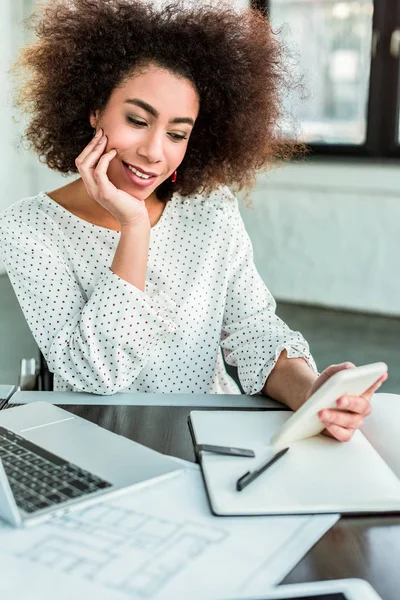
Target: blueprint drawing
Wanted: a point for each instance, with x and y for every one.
(157, 543)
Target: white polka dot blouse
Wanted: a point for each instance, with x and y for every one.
(100, 334)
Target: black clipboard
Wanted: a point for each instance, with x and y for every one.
(199, 461)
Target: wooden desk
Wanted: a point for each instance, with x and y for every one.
(365, 547)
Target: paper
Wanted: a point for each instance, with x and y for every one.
(381, 429)
(317, 475)
(158, 543)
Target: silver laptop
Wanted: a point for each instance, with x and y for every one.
(52, 462)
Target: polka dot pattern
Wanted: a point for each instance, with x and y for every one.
(100, 334)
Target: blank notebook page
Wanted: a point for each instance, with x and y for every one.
(316, 475)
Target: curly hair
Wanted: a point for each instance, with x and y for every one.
(84, 49)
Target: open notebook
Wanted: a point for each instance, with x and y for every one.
(317, 475)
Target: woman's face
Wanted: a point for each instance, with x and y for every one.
(148, 121)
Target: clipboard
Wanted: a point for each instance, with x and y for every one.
(318, 476)
(198, 456)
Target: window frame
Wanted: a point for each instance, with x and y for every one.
(382, 139)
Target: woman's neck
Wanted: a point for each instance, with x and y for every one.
(74, 198)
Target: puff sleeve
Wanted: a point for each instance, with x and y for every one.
(98, 344)
(253, 336)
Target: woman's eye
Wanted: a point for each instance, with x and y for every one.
(136, 122)
(177, 137)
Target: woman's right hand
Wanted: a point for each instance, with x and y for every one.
(92, 165)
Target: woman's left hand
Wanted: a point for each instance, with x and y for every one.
(341, 422)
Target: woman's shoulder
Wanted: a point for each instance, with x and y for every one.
(214, 213)
(220, 199)
(23, 212)
(31, 219)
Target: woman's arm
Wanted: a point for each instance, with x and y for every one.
(131, 256)
(97, 342)
(270, 357)
(292, 382)
(253, 336)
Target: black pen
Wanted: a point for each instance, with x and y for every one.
(227, 450)
(250, 476)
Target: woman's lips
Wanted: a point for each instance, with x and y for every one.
(137, 180)
(141, 170)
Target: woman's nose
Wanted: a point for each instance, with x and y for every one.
(152, 147)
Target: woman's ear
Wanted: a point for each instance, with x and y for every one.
(93, 119)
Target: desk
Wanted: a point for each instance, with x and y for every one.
(356, 547)
(143, 399)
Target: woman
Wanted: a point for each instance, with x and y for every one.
(136, 274)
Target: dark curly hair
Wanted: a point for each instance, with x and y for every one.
(86, 48)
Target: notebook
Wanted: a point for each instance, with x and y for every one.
(317, 475)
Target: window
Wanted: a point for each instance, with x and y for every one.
(348, 53)
(241, 3)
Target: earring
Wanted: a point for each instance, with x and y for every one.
(174, 176)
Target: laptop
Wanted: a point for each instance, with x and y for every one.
(53, 462)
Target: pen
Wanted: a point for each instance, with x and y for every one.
(250, 476)
(227, 450)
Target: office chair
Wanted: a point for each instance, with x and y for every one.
(46, 377)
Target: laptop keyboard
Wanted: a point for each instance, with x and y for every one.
(40, 479)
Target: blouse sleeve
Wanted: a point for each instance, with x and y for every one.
(253, 336)
(97, 344)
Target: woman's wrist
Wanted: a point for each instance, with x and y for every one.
(131, 256)
(137, 227)
(290, 381)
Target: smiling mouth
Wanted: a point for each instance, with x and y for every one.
(139, 172)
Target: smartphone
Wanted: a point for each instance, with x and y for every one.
(305, 423)
(341, 589)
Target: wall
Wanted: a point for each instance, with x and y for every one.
(328, 234)
(17, 167)
(11, 183)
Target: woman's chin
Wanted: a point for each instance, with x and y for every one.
(137, 192)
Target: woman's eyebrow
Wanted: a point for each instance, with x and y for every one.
(148, 108)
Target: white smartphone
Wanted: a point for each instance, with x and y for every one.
(305, 423)
(341, 589)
